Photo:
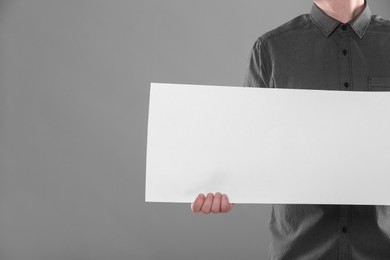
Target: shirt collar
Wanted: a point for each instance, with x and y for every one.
(328, 24)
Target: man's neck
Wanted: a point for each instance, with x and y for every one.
(341, 10)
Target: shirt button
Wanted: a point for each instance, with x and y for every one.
(346, 84)
(344, 27)
(345, 52)
(345, 229)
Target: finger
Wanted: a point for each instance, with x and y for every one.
(197, 204)
(225, 205)
(216, 206)
(207, 203)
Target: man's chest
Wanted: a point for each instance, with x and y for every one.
(339, 62)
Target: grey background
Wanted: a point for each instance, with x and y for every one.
(74, 86)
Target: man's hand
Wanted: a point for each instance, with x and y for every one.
(217, 203)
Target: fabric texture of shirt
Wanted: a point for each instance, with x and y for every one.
(315, 51)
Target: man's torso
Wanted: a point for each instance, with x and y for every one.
(314, 51)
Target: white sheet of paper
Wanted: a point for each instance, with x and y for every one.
(262, 145)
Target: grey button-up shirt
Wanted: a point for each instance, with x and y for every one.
(315, 51)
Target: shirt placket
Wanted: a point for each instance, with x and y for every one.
(344, 230)
(344, 54)
(346, 85)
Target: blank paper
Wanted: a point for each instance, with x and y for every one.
(261, 145)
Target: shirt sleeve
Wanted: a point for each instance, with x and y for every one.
(258, 74)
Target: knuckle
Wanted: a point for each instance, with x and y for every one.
(224, 209)
(215, 210)
(205, 211)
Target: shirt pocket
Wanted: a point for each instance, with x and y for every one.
(379, 84)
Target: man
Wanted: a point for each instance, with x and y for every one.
(338, 46)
